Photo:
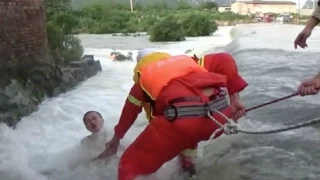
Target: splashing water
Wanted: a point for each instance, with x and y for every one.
(46, 144)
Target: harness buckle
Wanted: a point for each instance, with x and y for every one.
(175, 109)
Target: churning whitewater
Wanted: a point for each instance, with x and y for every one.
(46, 144)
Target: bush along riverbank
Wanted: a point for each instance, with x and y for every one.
(162, 21)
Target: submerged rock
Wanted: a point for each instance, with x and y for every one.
(117, 56)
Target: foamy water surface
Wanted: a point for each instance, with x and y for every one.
(45, 145)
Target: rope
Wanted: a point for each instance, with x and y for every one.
(272, 102)
(232, 127)
(287, 128)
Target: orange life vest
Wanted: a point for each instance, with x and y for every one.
(154, 76)
(157, 56)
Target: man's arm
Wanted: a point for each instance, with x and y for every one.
(301, 39)
(314, 20)
(224, 63)
(130, 111)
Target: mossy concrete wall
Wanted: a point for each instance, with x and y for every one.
(23, 36)
(27, 75)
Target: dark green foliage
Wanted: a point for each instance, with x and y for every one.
(163, 20)
(198, 23)
(62, 23)
(167, 29)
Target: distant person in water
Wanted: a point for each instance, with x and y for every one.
(117, 56)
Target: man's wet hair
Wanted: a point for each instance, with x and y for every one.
(84, 116)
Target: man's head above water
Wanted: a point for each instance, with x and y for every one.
(93, 121)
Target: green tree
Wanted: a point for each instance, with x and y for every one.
(197, 24)
(114, 16)
(54, 6)
(209, 5)
(62, 23)
(167, 29)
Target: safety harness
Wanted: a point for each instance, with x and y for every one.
(216, 103)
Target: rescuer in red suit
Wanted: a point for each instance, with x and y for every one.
(175, 84)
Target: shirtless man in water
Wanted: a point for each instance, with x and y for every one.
(90, 146)
(95, 142)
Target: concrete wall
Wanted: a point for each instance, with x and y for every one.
(23, 37)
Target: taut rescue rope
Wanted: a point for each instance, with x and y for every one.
(232, 127)
(272, 102)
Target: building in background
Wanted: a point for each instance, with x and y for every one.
(308, 7)
(247, 7)
(224, 8)
(224, 5)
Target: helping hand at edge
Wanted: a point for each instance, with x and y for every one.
(310, 86)
(111, 148)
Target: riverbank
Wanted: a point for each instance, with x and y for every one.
(234, 22)
(27, 88)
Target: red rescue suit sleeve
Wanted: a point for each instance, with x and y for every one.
(224, 63)
(130, 110)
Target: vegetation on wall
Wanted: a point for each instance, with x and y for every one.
(62, 23)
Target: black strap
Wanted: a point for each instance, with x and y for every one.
(174, 112)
